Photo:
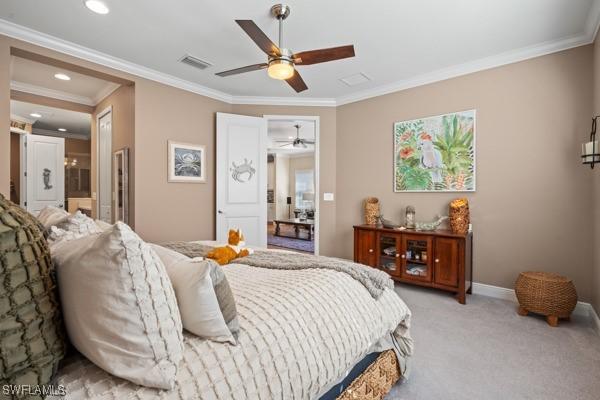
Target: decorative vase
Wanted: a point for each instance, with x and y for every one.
(371, 210)
(409, 217)
(459, 216)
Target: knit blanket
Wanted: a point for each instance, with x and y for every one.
(375, 281)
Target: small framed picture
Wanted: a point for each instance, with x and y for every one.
(187, 162)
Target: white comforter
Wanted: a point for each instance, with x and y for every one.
(300, 333)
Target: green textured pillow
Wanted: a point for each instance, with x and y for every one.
(31, 331)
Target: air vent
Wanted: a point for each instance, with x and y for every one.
(195, 62)
(355, 79)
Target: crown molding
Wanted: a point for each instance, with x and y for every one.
(55, 94)
(20, 118)
(50, 132)
(44, 40)
(284, 101)
(37, 38)
(470, 67)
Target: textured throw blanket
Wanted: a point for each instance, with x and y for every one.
(373, 280)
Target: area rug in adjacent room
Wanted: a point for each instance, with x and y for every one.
(291, 243)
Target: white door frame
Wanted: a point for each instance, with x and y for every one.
(316, 121)
(107, 110)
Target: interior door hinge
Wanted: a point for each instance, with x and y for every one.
(25, 204)
(25, 173)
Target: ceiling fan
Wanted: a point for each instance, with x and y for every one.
(281, 60)
(297, 142)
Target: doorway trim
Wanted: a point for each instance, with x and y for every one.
(107, 110)
(316, 120)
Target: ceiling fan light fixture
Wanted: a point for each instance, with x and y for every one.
(280, 69)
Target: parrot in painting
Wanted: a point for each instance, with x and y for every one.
(431, 158)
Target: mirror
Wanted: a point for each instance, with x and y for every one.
(121, 182)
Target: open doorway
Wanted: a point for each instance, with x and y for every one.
(292, 186)
(78, 123)
(50, 157)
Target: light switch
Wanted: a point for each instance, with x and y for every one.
(327, 196)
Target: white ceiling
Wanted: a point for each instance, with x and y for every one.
(285, 130)
(77, 124)
(33, 77)
(398, 44)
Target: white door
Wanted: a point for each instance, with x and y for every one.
(242, 177)
(105, 167)
(43, 172)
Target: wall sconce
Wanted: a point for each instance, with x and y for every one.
(590, 153)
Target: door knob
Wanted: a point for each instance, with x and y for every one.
(370, 250)
(437, 260)
(220, 212)
(397, 255)
(60, 205)
(403, 256)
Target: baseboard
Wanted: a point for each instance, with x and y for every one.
(497, 292)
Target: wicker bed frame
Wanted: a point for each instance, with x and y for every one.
(376, 381)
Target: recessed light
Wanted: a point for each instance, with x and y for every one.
(97, 6)
(290, 137)
(62, 77)
(36, 115)
(62, 129)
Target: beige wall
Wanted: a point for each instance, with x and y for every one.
(122, 102)
(531, 208)
(327, 165)
(173, 211)
(4, 117)
(15, 166)
(79, 146)
(596, 186)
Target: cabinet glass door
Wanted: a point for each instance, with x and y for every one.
(389, 253)
(417, 256)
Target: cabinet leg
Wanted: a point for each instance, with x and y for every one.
(462, 298)
(552, 320)
(522, 311)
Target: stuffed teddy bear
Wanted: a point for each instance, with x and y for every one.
(234, 249)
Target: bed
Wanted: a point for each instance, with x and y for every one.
(302, 333)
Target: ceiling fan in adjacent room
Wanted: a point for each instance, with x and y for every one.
(297, 142)
(281, 60)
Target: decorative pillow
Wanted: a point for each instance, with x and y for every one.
(52, 216)
(31, 334)
(205, 299)
(102, 225)
(119, 306)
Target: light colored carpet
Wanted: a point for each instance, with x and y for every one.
(484, 350)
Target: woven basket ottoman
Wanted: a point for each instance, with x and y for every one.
(547, 294)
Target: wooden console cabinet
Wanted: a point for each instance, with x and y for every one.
(438, 259)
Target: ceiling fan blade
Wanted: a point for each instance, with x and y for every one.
(297, 82)
(323, 55)
(259, 37)
(308, 141)
(241, 70)
(287, 144)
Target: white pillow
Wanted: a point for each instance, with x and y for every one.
(52, 216)
(119, 306)
(201, 312)
(102, 225)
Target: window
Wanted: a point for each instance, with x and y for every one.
(305, 189)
